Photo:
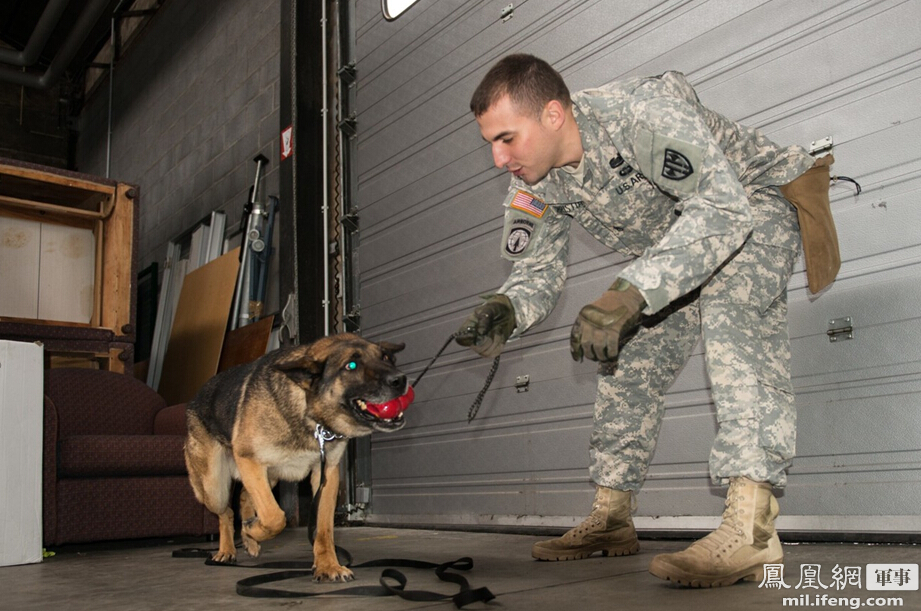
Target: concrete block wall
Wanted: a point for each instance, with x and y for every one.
(33, 125)
(196, 97)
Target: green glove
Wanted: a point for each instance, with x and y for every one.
(488, 327)
(602, 324)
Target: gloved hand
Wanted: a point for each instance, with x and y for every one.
(600, 325)
(488, 327)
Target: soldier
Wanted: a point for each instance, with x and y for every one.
(650, 172)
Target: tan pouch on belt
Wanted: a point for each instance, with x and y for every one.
(809, 195)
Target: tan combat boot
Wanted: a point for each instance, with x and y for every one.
(738, 549)
(609, 529)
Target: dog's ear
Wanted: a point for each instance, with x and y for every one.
(303, 371)
(392, 348)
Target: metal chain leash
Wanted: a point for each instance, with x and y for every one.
(489, 376)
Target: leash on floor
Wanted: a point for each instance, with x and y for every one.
(392, 582)
(471, 414)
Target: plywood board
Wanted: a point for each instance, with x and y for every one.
(197, 336)
(67, 273)
(19, 257)
(246, 344)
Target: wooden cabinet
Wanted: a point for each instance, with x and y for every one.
(68, 263)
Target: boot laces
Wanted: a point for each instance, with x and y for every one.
(597, 519)
(731, 524)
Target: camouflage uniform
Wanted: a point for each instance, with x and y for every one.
(693, 196)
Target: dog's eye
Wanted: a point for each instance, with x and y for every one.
(351, 366)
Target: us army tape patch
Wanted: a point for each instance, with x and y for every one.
(526, 202)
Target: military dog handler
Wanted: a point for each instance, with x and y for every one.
(704, 204)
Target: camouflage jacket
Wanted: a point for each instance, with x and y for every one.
(664, 179)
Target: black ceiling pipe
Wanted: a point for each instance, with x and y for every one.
(39, 37)
(64, 56)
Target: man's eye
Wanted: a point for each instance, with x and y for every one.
(507, 141)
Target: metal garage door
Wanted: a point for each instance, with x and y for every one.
(430, 206)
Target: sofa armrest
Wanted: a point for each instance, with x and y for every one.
(122, 456)
(171, 421)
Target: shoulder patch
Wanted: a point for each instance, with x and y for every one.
(526, 202)
(676, 166)
(519, 236)
(671, 163)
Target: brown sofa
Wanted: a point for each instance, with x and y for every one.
(113, 465)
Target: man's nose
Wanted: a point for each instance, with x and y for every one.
(499, 156)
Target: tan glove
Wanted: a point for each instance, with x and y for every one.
(488, 327)
(602, 324)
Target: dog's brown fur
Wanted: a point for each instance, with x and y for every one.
(256, 423)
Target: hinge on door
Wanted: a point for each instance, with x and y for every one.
(522, 383)
(349, 126)
(353, 319)
(840, 329)
(350, 221)
(348, 73)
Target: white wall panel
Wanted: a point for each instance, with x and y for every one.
(431, 219)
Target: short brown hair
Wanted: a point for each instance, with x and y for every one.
(529, 81)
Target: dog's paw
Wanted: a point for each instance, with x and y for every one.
(251, 546)
(223, 557)
(332, 573)
(258, 529)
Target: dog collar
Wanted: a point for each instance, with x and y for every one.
(324, 435)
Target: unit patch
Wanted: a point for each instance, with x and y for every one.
(676, 165)
(519, 236)
(528, 203)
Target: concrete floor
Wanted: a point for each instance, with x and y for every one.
(144, 575)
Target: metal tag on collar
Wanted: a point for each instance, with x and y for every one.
(323, 435)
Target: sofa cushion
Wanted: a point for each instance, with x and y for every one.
(121, 455)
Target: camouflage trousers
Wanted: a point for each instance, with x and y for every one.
(741, 314)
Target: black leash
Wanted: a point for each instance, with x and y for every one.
(489, 376)
(254, 587)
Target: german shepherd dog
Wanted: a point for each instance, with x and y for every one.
(258, 423)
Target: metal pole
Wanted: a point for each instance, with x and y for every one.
(325, 115)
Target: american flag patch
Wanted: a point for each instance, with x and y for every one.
(528, 203)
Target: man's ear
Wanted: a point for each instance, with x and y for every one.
(303, 371)
(554, 114)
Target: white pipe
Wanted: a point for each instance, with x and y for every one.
(324, 114)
